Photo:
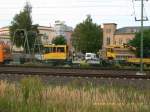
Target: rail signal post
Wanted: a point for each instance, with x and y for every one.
(141, 43)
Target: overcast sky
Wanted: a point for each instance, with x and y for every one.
(46, 12)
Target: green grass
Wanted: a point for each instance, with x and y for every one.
(31, 95)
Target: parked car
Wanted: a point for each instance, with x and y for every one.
(90, 56)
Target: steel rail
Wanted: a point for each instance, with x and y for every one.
(76, 67)
(73, 72)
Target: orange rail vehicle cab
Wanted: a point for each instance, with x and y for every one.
(1, 54)
(5, 54)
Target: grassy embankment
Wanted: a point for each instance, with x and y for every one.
(31, 95)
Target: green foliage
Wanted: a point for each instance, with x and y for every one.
(87, 36)
(59, 40)
(146, 43)
(84, 65)
(23, 20)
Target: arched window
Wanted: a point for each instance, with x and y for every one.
(108, 40)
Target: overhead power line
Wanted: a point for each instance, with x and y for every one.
(73, 6)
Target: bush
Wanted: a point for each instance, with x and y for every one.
(84, 65)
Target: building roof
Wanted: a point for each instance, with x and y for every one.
(109, 24)
(130, 30)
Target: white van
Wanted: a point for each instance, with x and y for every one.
(90, 56)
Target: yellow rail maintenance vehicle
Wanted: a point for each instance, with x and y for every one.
(123, 54)
(118, 53)
(55, 53)
(136, 61)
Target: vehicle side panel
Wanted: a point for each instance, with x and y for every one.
(1, 54)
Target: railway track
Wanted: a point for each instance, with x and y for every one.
(73, 72)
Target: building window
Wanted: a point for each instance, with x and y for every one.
(120, 41)
(108, 40)
(108, 30)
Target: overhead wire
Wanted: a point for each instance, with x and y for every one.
(134, 14)
(73, 6)
(145, 16)
(84, 6)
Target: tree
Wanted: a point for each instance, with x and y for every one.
(87, 36)
(22, 24)
(59, 40)
(146, 43)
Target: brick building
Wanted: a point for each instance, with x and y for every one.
(114, 36)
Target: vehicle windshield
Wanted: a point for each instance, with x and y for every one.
(88, 55)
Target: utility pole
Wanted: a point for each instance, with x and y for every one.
(141, 60)
(141, 43)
